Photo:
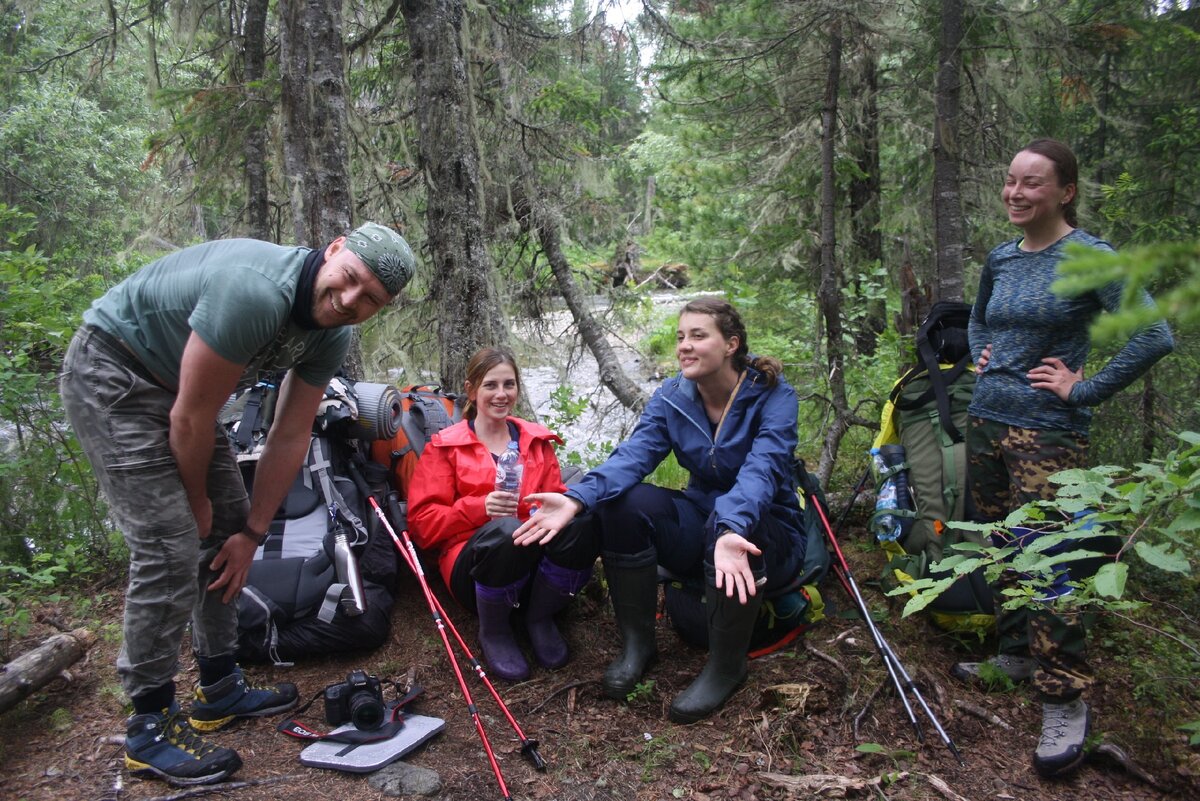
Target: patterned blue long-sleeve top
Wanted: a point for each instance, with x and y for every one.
(1025, 322)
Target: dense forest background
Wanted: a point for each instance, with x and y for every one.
(833, 167)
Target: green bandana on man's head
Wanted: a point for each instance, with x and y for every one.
(385, 253)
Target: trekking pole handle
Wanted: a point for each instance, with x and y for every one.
(346, 566)
(858, 488)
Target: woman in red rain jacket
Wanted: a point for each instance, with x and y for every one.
(456, 512)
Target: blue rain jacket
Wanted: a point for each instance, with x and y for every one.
(742, 472)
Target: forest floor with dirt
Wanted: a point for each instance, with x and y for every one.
(63, 742)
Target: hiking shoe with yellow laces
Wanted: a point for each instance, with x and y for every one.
(220, 704)
(162, 744)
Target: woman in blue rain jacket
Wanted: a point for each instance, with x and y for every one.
(730, 420)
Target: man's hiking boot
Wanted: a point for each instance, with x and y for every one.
(220, 704)
(1017, 668)
(1064, 731)
(163, 744)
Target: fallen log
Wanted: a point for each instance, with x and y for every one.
(39, 667)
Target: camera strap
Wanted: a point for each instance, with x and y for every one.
(349, 734)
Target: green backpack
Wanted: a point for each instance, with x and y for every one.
(929, 414)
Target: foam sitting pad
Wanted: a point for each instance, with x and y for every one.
(368, 757)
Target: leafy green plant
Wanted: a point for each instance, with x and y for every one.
(1154, 509)
(642, 691)
(994, 679)
(669, 474)
(565, 406)
(897, 756)
(41, 578)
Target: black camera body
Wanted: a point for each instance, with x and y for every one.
(357, 700)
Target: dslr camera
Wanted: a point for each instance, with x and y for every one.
(357, 700)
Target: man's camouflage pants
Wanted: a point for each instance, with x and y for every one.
(1008, 467)
(121, 416)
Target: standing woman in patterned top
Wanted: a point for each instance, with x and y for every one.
(1030, 416)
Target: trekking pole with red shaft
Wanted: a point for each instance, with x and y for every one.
(886, 653)
(529, 747)
(437, 619)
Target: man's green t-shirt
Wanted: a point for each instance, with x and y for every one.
(237, 295)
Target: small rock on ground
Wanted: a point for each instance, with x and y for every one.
(400, 778)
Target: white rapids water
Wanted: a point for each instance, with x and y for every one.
(560, 359)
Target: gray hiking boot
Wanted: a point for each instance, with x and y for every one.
(1017, 668)
(1064, 730)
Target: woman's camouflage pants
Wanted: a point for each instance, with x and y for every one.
(1008, 467)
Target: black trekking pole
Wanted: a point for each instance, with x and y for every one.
(890, 660)
(858, 488)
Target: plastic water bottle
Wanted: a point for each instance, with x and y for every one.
(510, 469)
(893, 494)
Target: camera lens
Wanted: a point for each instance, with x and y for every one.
(366, 711)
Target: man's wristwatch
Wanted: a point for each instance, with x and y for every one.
(259, 539)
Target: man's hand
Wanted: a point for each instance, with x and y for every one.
(731, 559)
(555, 512)
(233, 562)
(1055, 376)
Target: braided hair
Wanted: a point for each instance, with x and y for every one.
(730, 324)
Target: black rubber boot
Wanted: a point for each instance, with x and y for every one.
(633, 587)
(730, 625)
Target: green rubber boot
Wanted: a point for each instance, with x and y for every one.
(633, 587)
(730, 626)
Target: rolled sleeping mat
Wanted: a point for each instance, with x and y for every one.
(379, 411)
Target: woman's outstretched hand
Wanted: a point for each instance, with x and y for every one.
(731, 558)
(554, 512)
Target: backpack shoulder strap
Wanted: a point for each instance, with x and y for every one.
(320, 464)
(254, 414)
(424, 418)
(938, 382)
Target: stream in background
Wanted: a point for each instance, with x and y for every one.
(561, 359)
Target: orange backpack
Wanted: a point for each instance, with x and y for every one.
(427, 410)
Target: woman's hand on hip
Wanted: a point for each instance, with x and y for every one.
(553, 512)
(985, 356)
(1054, 376)
(731, 558)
